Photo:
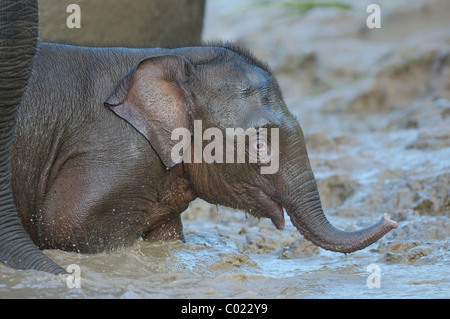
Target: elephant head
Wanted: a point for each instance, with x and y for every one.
(18, 38)
(226, 87)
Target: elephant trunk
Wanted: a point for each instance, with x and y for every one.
(18, 38)
(306, 214)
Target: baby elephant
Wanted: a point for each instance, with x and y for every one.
(111, 144)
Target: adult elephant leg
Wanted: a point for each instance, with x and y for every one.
(18, 39)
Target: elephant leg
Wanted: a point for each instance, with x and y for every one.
(88, 209)
(64, 211)
(172, 230)
(18, 37)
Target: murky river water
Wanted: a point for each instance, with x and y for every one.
(227, 255)
(375, 111)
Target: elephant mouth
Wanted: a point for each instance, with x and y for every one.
(273, 210)
(276, 215)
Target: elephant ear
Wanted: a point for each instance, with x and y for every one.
(152, 98)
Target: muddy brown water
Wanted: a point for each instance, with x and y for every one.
(228, 255)
(375, 109)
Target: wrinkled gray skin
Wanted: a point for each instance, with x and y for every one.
(91, 159)
(18, 38)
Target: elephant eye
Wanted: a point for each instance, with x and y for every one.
(260, 145)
